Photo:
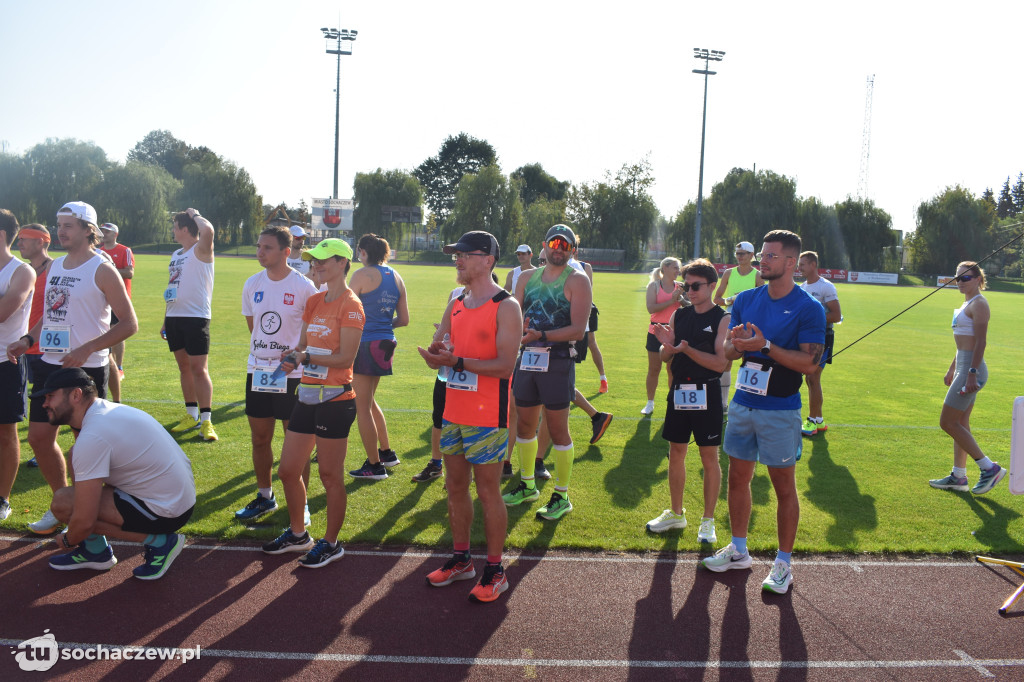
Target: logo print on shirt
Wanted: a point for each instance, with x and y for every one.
(289, 299)
(270, 322)
(257, 297)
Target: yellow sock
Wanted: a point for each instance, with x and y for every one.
(564, 455)
(527, 460)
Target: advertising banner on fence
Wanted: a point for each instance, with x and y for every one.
(873, 277)
(942, 280)
(332, 214)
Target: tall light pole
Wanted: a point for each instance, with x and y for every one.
(339, 43)
(708, 56)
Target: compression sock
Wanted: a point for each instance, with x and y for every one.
(740, 544)
(527, 460)
(564, 455)
(95, 544)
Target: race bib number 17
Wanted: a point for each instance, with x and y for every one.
(535, 359)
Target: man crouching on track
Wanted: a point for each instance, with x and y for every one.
(136, 487)
(483, 327)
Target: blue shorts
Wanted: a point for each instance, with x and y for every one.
(771, 437)
(479, 444)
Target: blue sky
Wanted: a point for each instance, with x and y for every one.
(581, 87)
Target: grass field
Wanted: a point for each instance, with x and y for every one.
(863, 485)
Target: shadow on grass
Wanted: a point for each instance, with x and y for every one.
(834, 490)
(375, 533)
(995, 520)
(631, 481)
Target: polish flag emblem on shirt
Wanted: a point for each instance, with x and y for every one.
(289, 299)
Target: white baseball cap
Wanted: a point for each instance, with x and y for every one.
(524, 248)
(297, 231)
(109, 227)
(745, 246)
(80, 210)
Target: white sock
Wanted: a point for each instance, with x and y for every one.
(604, 378)
(984, 463)
(204, 416)
(193, 411)
(960, 472)
(267, 493)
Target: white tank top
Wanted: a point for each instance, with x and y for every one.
(299, 265)
(16, 325)
(193, 281)
(73, 300)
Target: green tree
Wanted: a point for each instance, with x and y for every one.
(951, 227)
(138, 197)
(15, 190)
(1018, 195)
(64, 170)
(161, 148)
(818, 226)
(866, 231)
(440, 175)
(1005, 207)
(383, 188)
(227, 197)
(488, 201)
(679, 232)
(538, 183)
(538, 217)
(745, 206)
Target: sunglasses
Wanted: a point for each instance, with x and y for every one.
(559, 244)
(459, 255)
(695, 286)
(967, 278)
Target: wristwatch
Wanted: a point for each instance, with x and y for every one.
(767, 348)
(64, 540)
(459, 365)
(972, 370)
(543, 337)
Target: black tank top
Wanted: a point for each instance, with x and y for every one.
(700, 331)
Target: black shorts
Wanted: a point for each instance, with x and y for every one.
(555, 388)
(13, 377)
(592, 322)
(190, 333)
(653, 345)
(42, 370)
(830, 342)
(138, 518)
(705, 426)
(260, 405)
(332, 419)
(440, 392)
(113, 318)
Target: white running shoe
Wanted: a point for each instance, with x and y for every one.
(726, 558)
(648, 408)
(779, 580)
(668, 520)
(46, 525)
(707, 531)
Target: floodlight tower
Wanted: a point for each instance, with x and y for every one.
(708, 56)
(339, 42)
(865, 146)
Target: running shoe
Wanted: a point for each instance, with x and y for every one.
(322, 554)
(599, 423)
(80, 557)
(257, 508)
(988, 479)
(725, 559)
(375, 472)
(540, 472)
(666, 521)
(951, 482)
(306, 520)
(289, 542)
(520, 494)
(809, 428)
(506, 470)
(46, 525)
(32, 464)
(491, 585)
(5, 508)
(707, 531)
(780, 578)
(158, 559)
(207, 432)
(187, 423)
(556, 508)
(453, 569)
(388, 458)
(648, 408)
(604, 386)
(429, 473)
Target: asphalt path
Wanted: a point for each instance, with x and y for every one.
(566, 616)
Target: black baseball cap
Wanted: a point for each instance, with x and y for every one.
(65, 377)
(563, 231)
(477, 240)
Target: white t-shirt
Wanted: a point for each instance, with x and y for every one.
(276, 309)
(823, 291)
(16, 324)
(299, 265)
(192, 280)
(131, 451)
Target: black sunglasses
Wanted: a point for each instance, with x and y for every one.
(695, 286)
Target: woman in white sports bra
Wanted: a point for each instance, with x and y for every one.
(966, 376)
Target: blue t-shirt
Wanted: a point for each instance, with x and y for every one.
(379, 307)
(791, 320)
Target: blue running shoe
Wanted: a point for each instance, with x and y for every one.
(80, 557)
(158, 559)
(257, 508)
(988, 479)
(322, 554)
(289, 542)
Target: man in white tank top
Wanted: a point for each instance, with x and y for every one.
(82, 290)
(189, 299)
(16, 282)
(295, 261)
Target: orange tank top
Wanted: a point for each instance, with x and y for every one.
(473, 400)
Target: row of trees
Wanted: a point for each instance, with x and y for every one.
(161, 175)
(1011, 200)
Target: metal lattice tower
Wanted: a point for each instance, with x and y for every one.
(865, 147)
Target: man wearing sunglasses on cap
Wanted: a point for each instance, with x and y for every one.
(556, 302)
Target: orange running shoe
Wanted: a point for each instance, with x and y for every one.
(491, 585)
(452, 570)
(604, 386)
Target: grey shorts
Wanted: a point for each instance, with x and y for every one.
(953, 397)
(555, 388)
(771, 437)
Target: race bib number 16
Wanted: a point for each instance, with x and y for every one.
(753, 378)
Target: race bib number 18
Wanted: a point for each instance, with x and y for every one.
(690, 397)
(753, 378)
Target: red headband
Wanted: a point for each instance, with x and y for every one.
(34, 233)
